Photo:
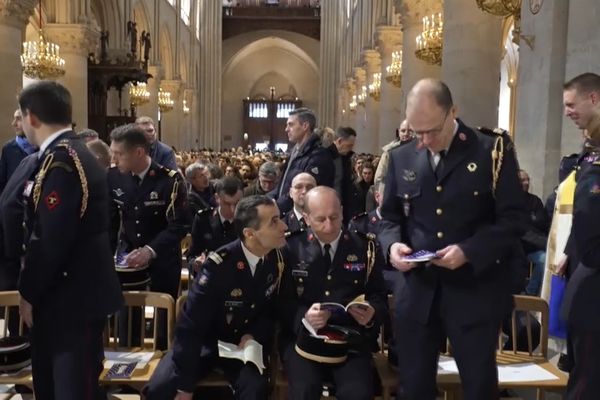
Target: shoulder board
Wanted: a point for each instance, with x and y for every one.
(293, 233)
(362, 214)
(493, 132)
(171, 172)
(217, 258)
(60, 164)
(365, 235)
(205, 210)
(597, 162)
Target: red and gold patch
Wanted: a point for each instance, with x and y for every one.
(241, 265)
(52, 200)
(462, 136)
(151, 172)
(310, 237)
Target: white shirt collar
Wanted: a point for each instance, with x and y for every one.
(298, 214)
(334, 244)
(50, 139)
(250, 257)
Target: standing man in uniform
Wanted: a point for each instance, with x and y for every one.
(68, 284)
(213, 228)
(456, 192)
(307, 156)
(152, 203)
(331, 264)
(301, 184)
(232, 301)
(159, 152)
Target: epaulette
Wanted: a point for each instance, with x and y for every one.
(391, 145)
(289, 234)
(217, 257)
(205, 210)
(360, 215)
(171, 172)
(365, 235)
(493, 132)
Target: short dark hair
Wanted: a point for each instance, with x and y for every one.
(228, 185)
(305, 115)
(131, 136)
(49, 101)
(584, 83)
(344, 132)
(246, 213)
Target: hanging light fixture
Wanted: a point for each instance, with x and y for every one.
(393, 72)
(375, 86)
(165, 103)
(138, 94)
(186, 109)
(362, 96)
(41, 59)
(507, 9)
(353, 104)
(430, 40)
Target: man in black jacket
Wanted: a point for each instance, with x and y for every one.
(68, 284)
(14, 151)
(159, 152)
(341, 152)
(307, 156)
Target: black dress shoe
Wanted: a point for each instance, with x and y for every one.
(564, 363)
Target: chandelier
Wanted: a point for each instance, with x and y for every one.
(165, 103)
(505, 8)
(186, 109)
(430, 41)
(362, 97)
(393, 72)
(138, 94)
(375, 87)
(353, 104)
(41, 59)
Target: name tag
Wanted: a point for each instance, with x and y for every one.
(300, 272)
(28, 188)
(233, 303)
(154, 203)
(354, 267)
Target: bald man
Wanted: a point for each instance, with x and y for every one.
(446, 193)
(330, 264)
(294, 218)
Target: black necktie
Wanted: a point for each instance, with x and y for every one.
(327, 254)
(137, 179)
(226, 226)
(440, 163)
(301, 223)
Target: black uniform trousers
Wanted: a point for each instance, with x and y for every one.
(66, 356)
(245, 379)
(353, 379)
(473, 347)
(584, 378)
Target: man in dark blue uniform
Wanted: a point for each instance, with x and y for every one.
(307, 156)
(213, 228)
(14, 151)
(455, 192)
(331, 264)
(68, 284)
(232, 301)
(152, 204)
(301, 184)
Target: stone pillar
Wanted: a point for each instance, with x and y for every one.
(150, 109)
(76, 42)
(331, 25)
(471, 61)
(362, 139)
(210, 73)
(372, 62)
(539, 94)
(389, 39)
(13, 19)
(413, 69)
(171, 120)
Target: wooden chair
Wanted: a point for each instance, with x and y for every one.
(10, 299)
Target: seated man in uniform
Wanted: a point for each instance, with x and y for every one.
(213, 228)
(231, 300)
(301, 184)
(330, 264)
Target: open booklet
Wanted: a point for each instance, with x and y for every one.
(252, 352)
(338, 308)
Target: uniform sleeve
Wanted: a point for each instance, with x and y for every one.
(178, 220)
(391, 211)
(321, 167)
(3, 169)
(56, 227)
(586, 213)
(196, 320)
(197, 241)
(289, 310)
(376, 293)
(491, 243)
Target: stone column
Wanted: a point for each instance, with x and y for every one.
(362, 139)
(389, 39)
(150, 109)
(539, 94)
(76, 42)
(210, 73)
(13, 19)
(171, 120)
(372, 63)
(331, 25)
(472, 56)
(413, 69)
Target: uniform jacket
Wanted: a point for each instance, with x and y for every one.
(461, 207)
(294, 225)
(11, 156)
(225, 302)
(200, 201)
(68, 265)
(208, 233)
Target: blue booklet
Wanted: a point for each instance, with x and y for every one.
(420, 256)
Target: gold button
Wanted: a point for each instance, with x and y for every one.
(438, 211)
(137, 222)
(252, 305)
(328, 277)
(24, 247)
(438, 188)
(235, 331)
(300, 280)
(65, 273)
(497, 261)
(230, 308)
(476, 193)
(138, 235)
(440, 235)
(135, 208)
(24, 225)
(327, 293)
(245, 321)
(355, 281)
(406, 196)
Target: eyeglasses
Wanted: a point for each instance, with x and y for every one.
(434, 131)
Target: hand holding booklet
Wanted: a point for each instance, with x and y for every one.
(420, 256)
(334, 308)
(252, 352)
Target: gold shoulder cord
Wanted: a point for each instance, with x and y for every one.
(280, 268)
(82, 178)
(39, 178)
(171, 206)
(370, 257)
(497, 156)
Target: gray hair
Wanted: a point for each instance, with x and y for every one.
(88, 133)
(269, 170)
(192, 169)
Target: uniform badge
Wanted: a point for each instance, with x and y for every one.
(270, 290)
(270, 278)
(462, 136)
(240, 266)
(302, 265)
(354, 267)
(315, 170)
(351, 258)
(52, 200)
(151, 172)
(595, 189)
(28, 188)
(409, 176)
(236, 293)
(373, 219)
(228, 318)
(300, 290)
(118, 192)
(153, 195)
(346, 236)
(310, 237)
(472, 167)
(203, 280)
